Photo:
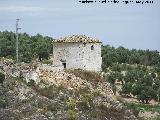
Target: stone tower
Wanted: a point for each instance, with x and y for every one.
(77, 52)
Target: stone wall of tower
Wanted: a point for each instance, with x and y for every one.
(77, 55)
(92, 56)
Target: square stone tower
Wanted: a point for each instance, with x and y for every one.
(77, 51)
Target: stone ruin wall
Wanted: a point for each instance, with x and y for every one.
(93, 59)
(25, 71)
(77, 55)
(71, 52)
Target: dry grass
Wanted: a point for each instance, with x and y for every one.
(90, 76)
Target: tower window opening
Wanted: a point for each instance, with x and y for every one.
(92, 47)
(64, 65)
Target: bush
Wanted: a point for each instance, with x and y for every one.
(114, 88)
(49, 91)
(31, 83)
(48, 62)
(53, 107)
(71, 103)
(3, 102)
(72, 114)
(95, 93)
(116, 67)
(127, 88)
(2, 77)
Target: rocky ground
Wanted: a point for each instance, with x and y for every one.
(60, 96)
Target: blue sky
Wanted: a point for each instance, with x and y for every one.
(132, 26)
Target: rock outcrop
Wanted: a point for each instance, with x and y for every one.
(59, 95)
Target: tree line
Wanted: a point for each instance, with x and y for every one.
(30, 47)
(121, 55)
(39, 46)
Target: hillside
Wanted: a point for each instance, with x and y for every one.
(60, 95)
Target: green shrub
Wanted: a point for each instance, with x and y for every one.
(52, 107)
(72, 114)
(85, 102)
(2, 77)
(71, 103)
(116, 67)
(3, 102)
(95, 93)
(114, 88)
(48, 62)
(31, 83)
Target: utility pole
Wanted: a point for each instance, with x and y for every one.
(17, 42)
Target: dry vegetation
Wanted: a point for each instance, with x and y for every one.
(90, 76)
(55, 102)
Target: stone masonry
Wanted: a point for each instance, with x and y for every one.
(77, 52)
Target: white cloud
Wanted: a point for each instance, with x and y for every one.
(21, 9)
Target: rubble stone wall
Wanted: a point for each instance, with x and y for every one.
(51, 67)
(24, 71)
